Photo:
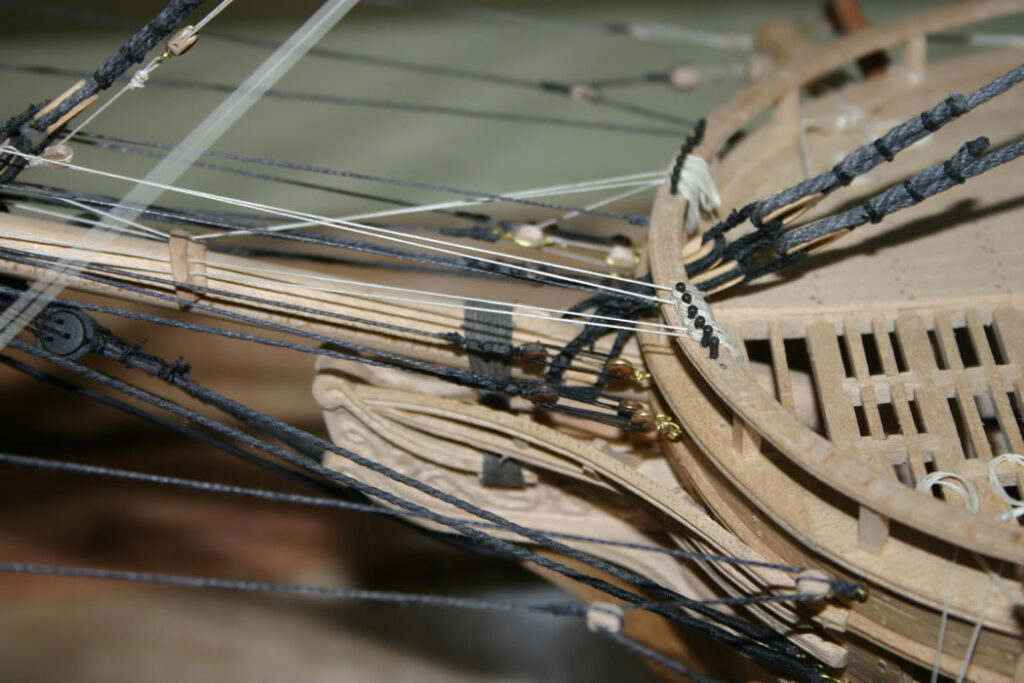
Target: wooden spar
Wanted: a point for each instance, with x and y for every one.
(286, 286)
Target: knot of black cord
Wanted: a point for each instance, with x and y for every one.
(883, 149)
(628, 303)
(178, 369)
(915, 195)
(873, 215)
(717, 234)
(841, 176)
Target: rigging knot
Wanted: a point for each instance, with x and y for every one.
(170, 372)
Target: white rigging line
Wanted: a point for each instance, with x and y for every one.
(591, 319)
(595, 319)
(643, 180)
(140, 77)
(137, 229)
(27, 306)
(460, 306)
(656, 327)
(275, 286)
(418, 241)
(250, 269)
(603, 202)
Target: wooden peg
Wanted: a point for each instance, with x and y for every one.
(684, 77)
(814, 583)
(872, 530)
(57, 100)
(790, 212)
(72, 113)
(182, 41)
(694, 249)
(816, 244)
(915, 58)
(714, 272)
(604, 616)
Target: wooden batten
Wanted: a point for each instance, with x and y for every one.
(188, 266)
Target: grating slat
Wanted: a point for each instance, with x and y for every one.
(836, 405)
(971, 420)
(930, 398)
(1004, 413)
(780, 367)
(900, 397)
(855, 348)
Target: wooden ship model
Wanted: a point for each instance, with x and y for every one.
(829, 456)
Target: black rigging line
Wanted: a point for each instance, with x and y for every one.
(315, 501)
(187, 581)
(345, 504)
(175, 426)
(587, 395)
(861, 160)
(574, 610)
(490, 231)
(51, 196)
(177, 375)
(553, 87)
(434, 263)
(371, 103)
(101, 141)
(746, 637)
(37, 121)
(633, 219)
(417, 67)
(348, 350)
(516, 270)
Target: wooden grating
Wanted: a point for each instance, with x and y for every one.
(908, 396)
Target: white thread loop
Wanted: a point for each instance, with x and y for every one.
(698, 188)
(1013, 513)
(1016, 504)
(954, 482)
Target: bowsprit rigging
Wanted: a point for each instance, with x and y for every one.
(577, 399)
